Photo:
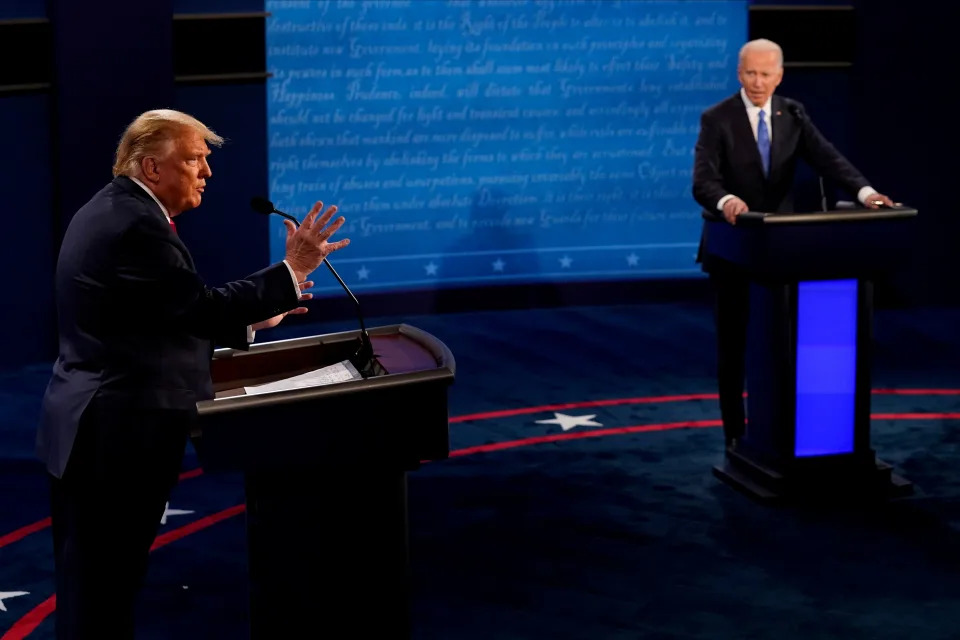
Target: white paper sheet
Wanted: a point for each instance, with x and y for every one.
(340, 372)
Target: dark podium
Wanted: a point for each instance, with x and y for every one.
(325, 475)
(809, 341)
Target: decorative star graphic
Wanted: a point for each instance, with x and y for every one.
(633, 259)
(498, 265)
(364, 273)
(569, 422)
(431, 268)
(4, 595)
(566, 261)
(167, 511)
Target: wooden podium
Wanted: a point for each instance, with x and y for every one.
(809, 341)
(325, 475)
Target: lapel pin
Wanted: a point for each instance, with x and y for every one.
(779, 113)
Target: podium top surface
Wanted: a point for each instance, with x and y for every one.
(788, 247)
(408, 357)
(833, 216)
(392, 419)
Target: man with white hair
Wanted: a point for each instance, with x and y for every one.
(137, 328)
(745, 160)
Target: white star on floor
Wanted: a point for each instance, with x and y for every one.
(569, 422)
(498, 265)
(633, 259)
(363, 273)
(431, 269)
(4, 595)
(566, 261)
(167, 511)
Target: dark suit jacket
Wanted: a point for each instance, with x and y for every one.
(137, 326)
(727, 160)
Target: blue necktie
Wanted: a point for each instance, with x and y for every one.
(763, 143)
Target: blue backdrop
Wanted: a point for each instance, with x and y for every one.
(45, 169)
(473, 142)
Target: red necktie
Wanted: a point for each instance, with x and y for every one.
(173, 226)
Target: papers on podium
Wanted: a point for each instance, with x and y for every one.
(339, 372)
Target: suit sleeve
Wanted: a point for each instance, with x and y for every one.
(155, 287)
(233, 336)
(707, 178)
(820, 154)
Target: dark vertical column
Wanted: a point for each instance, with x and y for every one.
(113, 59)
(328, 549)
(892, 133)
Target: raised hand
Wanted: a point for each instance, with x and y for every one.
(307, 245)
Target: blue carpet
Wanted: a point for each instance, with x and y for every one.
(627, 535)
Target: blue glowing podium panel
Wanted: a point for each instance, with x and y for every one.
(826, 368)
(808, 344)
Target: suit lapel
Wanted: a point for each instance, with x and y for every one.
(186, 252)
(178, 242)
(129, 185)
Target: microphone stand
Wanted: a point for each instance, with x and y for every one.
(364, 359)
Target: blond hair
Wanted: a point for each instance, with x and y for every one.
(762, 45)
(153, 133)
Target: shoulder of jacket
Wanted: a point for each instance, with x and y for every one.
(723, 107)
(786, 102)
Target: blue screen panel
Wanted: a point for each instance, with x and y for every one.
(475, 142)
(826, 367)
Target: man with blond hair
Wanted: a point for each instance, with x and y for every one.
(137, 328)
(745, 159)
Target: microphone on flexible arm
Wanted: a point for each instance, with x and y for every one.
(801, 117)
(366, 361)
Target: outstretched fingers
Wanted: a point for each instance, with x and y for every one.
(339, 244)
(331, 228)
(321, 222)
(324, 236)
(306, 284)
(311, 217)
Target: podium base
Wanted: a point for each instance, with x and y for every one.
(328, 549)
(819, 484)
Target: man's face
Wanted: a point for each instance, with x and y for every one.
(760, 73)
(182, 174)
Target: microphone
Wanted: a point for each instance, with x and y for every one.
(364, 359)
(797, 112)
(264, 206)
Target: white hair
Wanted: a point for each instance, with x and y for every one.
(762, 45)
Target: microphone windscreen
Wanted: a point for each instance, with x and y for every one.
(261, 205)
